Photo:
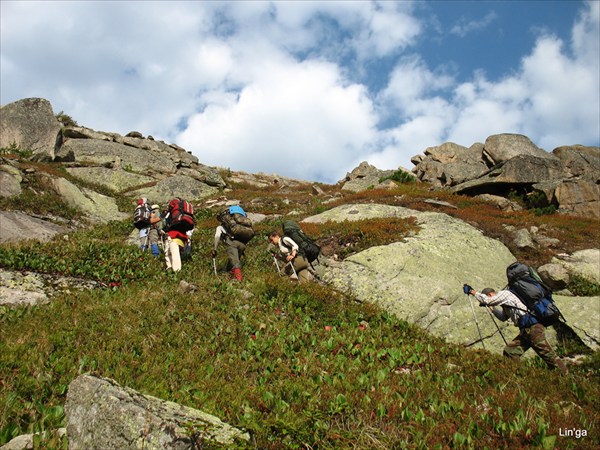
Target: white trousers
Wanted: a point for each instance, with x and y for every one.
(172, 255)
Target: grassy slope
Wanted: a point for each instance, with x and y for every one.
(268, 363)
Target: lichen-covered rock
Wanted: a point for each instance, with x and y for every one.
(420, 278)
(175, 186)
(585, 263)
(101, 415)
(16, 226)
(97, 207)
(582, 314)
(30, 288)
(116, 179)
(10, 183)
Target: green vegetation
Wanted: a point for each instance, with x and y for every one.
(65, 119)
(296, 366)
(583, 287)
(14, 150)
(39, 198)
(401, 176)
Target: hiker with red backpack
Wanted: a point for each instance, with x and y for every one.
(517, 303)
(234, 232)
(179, 219)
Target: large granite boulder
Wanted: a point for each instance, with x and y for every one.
(31, 125)
(450, 164)
(519, 170)
(420, 278)
(101, 415)
(580, 161)
(578, 197)
(16, 226)
(502, 147)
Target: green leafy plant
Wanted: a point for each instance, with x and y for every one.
(400, 176)
(583, 287)
(14, 150)
(65, 119)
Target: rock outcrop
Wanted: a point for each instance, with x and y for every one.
(365, 176)
(101, 414)
(30, 125)
(131, 165)
(568, 178)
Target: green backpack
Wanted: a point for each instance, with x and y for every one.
(307, 246)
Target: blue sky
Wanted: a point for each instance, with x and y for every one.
(310, 89)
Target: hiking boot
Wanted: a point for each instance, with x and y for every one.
(236, 274)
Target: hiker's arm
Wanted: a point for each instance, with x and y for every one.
(293, 247)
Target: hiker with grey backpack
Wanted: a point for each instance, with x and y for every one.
(234, 232)
(529, 305)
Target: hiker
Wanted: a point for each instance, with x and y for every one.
(156, 224)
(147, 219)
(179, 219)
(290, 252)
(173, 244)
(532, 334)
(235, 251)
(235, 231)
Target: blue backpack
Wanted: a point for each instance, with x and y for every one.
(525, 283)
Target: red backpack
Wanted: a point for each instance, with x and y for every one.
(180, 215)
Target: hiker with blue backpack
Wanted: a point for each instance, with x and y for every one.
(523, 303)
(234, 232)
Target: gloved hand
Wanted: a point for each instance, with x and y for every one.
(213, 253)
(483, 305)
(467, 289)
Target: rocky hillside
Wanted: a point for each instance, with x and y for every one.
(355, 359)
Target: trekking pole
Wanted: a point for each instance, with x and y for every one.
(293, 270)
(277, 264)
(476, 321)
(495, 323)
(215, 265)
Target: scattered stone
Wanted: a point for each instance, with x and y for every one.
(29, 288)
